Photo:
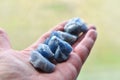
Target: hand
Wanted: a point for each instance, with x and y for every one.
(15, 65)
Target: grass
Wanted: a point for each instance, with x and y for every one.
(26, 20)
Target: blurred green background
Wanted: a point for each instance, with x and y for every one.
(26, 20)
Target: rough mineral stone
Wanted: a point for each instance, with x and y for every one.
(63, 36)
(41, 63)
(54, 33)
(75, 26)
(67, 37)
(55, 42)
(64, 47)
(60, 56)
(45, 51)
(63, 51)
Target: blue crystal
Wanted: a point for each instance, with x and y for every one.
(61, 48)
(45, 51)
(67, 37)
(84, 28)
(62, 35)
(64, 47)
(41, 63)
(53, 43)
(75, 26)
(60, 56)
(54, 33)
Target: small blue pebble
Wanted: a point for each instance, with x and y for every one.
(75, 26)
(84, 28)
(62, 35)
(41, 63)
(60, 56)
(53, 43)
(54, 33)
(64, 47)
(45, 51)
(67, 37)
(62, 50)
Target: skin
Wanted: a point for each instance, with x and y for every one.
(14, 65)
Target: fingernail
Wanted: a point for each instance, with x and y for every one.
(92, 27)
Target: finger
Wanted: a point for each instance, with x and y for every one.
(46, 35)
(70, 69)
(83, 35)
(4, 40)
(77, 57)
(84, 47)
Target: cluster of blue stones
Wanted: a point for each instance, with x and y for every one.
(57, 47)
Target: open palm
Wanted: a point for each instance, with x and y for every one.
(15, 65)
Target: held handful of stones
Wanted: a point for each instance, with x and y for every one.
(57, 47)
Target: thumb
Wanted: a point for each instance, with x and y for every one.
(4, 41)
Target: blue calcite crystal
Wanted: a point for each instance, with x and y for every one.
(67, 37)
(45, 51)
(54, 33)
(60, 56)
(41, 63)
(55, 42)
(63, 51)
(64, 47)
(63, 36)
(75, 26)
